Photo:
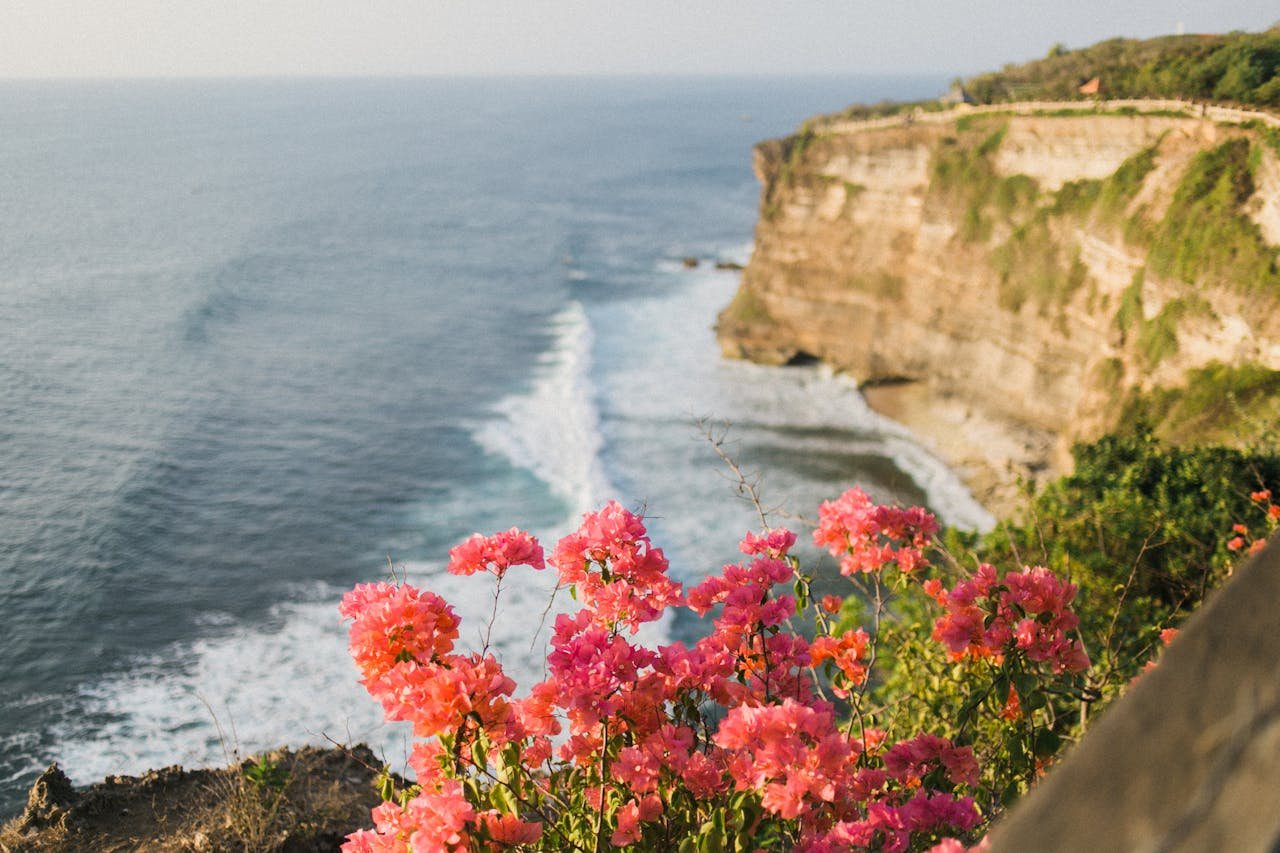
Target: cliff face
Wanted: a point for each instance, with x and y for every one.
(1007, 284)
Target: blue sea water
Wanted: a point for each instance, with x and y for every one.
(261, 340)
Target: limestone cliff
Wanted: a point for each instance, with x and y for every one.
(1009, 282)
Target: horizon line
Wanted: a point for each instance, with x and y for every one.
(477, 75)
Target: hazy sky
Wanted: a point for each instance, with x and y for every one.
(90, 38)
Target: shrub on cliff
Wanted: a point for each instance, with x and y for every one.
(1144, 529)
(1239, 67)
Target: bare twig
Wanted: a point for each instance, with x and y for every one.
(746, 486)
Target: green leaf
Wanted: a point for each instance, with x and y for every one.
(802, 594)
(1046, 744)
(711, 838)
(1025, 683)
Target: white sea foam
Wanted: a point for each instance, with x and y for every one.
(553, 430)
(241, 690)
(663, 370)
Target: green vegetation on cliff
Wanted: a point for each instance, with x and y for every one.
(1205, 237)
(1238, 67)
(1231, 404)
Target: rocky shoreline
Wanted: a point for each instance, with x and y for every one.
(286, 800)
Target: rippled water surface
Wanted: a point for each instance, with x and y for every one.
(258, 338)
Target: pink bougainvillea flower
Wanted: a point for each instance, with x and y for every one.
(631, 815)
(433, 820)
(846, 652)
(1028, 611)
(495, 554)
(393, 625)
(509, 830)
(615, 571)
(773, 543)
(867, 537)
(910, 760)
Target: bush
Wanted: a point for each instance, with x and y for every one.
(1240, 67)
(1142, 528)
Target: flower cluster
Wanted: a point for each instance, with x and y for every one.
(867, 537)
(734, 739)
(1027, 612)
(1244, 539)
(402, 641)
(495, 554)
(617, 573)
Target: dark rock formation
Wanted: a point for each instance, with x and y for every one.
(304, 800)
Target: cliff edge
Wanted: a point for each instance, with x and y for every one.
(1009, 280)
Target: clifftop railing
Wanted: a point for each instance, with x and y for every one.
(1210, 112)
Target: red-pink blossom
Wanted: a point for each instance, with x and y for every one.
(792, 753)
(867, 537)
(616, 572)
(846, 652)
(1028, 611)
(910, 760)
(396, 624)
(509, 830)
(631, 815)
(495, 554)
(435, 820)
(773, 543)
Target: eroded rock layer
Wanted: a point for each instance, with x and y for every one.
(1007, 284)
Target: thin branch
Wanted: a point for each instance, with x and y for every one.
(747, 487)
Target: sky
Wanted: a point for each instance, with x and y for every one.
(234, 38)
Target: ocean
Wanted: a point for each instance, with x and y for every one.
(261, 340)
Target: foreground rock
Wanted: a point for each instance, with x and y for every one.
(308, 800)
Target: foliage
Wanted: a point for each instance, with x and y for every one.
(964, 175)
(1205, 236)
(264, 772)
(1158, 337)
(1130, 311)
(1034, 266)
(1222, 403)
(1238, 67)
(1139, 527)
(793, 152)
(884, 109)
(1121, 186)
